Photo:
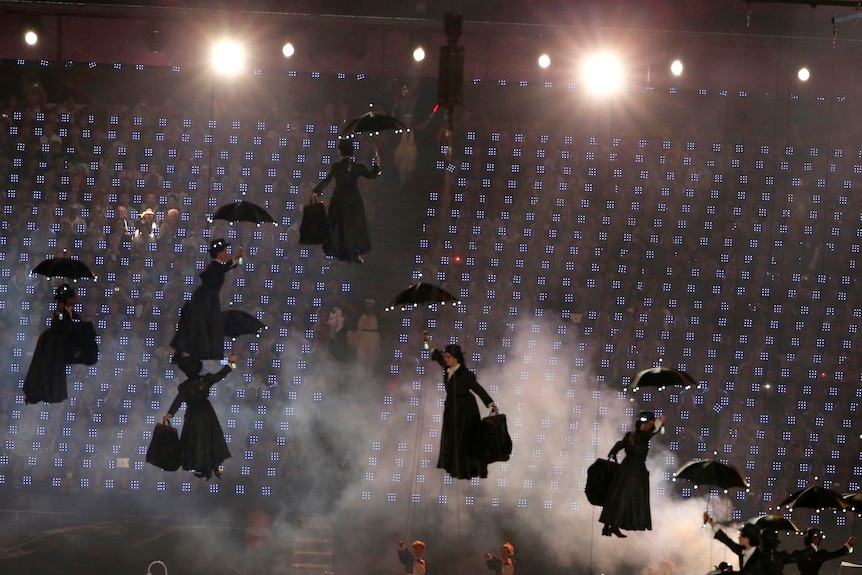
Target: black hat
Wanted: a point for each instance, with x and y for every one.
(64, 292)
(643, 417)
(751, 532)
(188, 364)
(454, 350)
(217, 246)
(769, 538)
(345, 147)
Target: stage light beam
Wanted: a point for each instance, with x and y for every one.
(228, 57)
(602, 73)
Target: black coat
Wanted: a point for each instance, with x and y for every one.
(809, 560)
(348, 228)
(202, 440)
(757, 564)
(461, 421)
(627, 502)
(46, 376)
(200, 332)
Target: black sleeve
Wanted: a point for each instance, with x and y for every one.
(476, 388)
(175, 405)
(437, 356)
(731, 544)
(363, 171)
(618, 446)
(211, 379)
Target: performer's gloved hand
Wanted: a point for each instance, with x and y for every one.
(166, 418)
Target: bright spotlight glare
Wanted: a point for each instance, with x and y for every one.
(803, 74)
(603, 73)
(228, 57)
(676, 68)
(31, 38)
(287, 50)
(544, 61)
(418, 54)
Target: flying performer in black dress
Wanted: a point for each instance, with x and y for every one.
(202, 440)
(68, 340)
(200, 333)
(348, 229)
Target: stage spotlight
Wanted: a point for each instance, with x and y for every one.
(602, 73)
(418, 54)
(31, 36)
(288, 50)
(228, 57)
(676, 68)
(803, 74)
(544, 60)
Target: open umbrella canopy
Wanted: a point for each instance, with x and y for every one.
(421, 294)
(372, 123)
(775, 522)
(238, 322)
(854, 499)
(712, 473)
(661, 377)
(815, 497)
(243, 211)
(63, 268)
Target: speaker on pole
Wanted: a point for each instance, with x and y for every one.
(450, 76)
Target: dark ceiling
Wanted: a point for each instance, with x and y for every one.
(499, 35)
(768, 16)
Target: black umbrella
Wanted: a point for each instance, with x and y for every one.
(854, 500)
(815, 497)
(238, 322)
(372, 123)
(63, 268)
(243, 211)
(774, 522)
(661, 377)
(421, 293)
(713, 473)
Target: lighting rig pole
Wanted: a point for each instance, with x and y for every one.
(450, 77)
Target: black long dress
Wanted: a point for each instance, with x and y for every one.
(202, 439)
(461, 421)
(627, 504)
(348, 237)
(46, 376)
(200, 332)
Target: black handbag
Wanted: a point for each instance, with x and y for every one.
(493, 442)
(599, 476)
(82, 344)
(165, 451)
(314, 228)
